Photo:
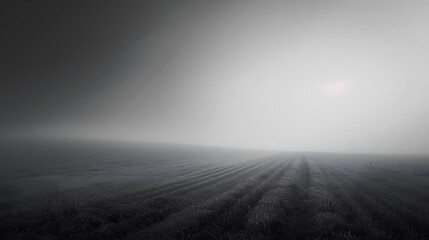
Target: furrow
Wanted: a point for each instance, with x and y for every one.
(203, 214)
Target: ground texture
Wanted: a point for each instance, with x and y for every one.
(216, 194)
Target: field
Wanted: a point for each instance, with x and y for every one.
(156, 191)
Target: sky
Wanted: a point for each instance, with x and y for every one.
(333, 76)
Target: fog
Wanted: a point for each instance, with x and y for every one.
(332, 76)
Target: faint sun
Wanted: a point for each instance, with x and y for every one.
(335, 88)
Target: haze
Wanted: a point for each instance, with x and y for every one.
(333, 76)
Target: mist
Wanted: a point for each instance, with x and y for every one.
(337, 76)
(201, 119)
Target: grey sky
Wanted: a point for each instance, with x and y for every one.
(340, 76)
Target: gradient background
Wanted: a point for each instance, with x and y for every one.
(253, 74)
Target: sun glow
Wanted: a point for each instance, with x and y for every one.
(335, 88)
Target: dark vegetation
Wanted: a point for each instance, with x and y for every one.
(220, 194)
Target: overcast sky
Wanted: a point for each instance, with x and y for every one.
(338, 76)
